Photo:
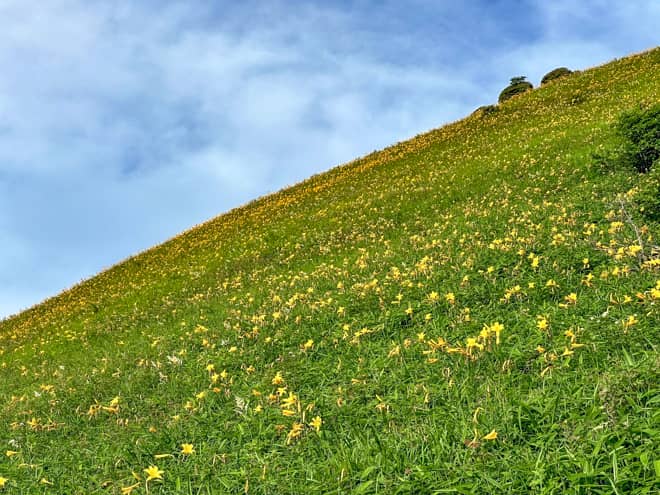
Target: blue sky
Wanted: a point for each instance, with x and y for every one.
(124, 123)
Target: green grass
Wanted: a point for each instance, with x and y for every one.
(332, 285)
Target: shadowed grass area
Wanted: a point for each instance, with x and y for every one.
(474, 310)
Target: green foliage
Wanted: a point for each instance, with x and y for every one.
(640, 130)
(555, 74)
(637, 142)
(517, 86)
(648, 195)
(517, 80)
(485, 110)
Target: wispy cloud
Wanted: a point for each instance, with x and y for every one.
(123, 123)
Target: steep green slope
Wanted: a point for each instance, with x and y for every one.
(470, 311)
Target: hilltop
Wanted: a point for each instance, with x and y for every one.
(474, 310)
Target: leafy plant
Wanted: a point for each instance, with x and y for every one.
(518, 80)
(640, 130)
(485, 110)
(557, 73)
(636, 144)
(517, 86)
(648, 195)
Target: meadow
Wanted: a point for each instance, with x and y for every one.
(473, 310)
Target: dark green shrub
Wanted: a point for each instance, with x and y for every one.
(648, 195)
(555, 74)
(639, 147)
(517, 86)
(640, 131)
(485, 110)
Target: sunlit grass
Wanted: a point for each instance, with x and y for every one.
(470, 311)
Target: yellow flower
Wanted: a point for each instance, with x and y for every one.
(497, 327)
(316, 423)
(277, 379)
(153, 473)
(187, 449)
(308, 345)
(296, 430)
(11, 453)
(586, 280)
(290, 401)
(542, 324)
(3, 481)
(630, 321)
(472, 342)
(491, 436)
(433, 296)
(450, 297)
(128, 489)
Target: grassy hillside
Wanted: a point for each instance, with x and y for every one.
(469, 311)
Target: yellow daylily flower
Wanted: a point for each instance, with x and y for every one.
(491, 436)
(153, 473)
